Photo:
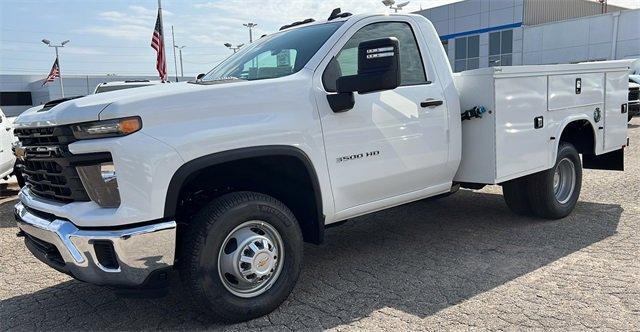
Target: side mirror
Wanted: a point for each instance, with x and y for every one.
(199, 77)
(378, 67)
(378, 70)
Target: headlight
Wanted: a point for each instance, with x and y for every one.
(107, 128)
(101, 184)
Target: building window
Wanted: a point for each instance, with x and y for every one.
(15, 99)
(501, 48)
(467, 53)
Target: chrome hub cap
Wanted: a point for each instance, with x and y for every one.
(250, 259)
(564, 180)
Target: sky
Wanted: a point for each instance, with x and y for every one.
(113, 37)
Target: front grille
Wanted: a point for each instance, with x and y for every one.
(634, 94)
(49, 168)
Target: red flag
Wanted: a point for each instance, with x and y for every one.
(157, 43)
(55, 72)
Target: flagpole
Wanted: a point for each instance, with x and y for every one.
(164, 49)
(59, 73)
(175, 61)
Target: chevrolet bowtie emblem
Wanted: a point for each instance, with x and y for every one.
(20, 152)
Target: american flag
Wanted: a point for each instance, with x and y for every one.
(157, 43)
(55, 72)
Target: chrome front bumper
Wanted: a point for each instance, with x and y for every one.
(139, 251)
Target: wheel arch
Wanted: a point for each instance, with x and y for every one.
(578, 131)
(313, 230)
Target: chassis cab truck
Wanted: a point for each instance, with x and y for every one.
(222, 179)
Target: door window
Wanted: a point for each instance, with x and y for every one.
(345, 63)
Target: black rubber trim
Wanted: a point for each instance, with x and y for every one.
(181, 175)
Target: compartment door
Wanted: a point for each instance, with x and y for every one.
(521, 145)
(615, 122)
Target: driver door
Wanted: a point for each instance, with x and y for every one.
(390, 146)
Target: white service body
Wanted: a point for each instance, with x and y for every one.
(505, 145)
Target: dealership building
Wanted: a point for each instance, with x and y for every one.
(482, 33)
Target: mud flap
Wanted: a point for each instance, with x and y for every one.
(612, 161)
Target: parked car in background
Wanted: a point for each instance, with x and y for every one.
(121, 85)
(634, 96)
(7, 159)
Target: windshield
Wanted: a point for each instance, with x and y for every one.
(282, 54)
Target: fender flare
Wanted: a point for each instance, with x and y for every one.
(182, 174)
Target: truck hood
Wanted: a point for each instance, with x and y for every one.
(89, 108)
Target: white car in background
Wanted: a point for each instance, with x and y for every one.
(7, 159)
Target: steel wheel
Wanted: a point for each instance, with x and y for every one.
(564, 180)
(250, 259)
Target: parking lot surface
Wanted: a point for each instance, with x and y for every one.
(462, 262)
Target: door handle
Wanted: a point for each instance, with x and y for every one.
(431, 103)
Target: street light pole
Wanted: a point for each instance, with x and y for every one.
(175, 63)
(48, 43)
(250, 25)
(233, 48)
(391, 3)
(180, 50)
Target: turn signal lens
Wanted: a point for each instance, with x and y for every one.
(129, 126)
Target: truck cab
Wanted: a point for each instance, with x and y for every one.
(223, 178)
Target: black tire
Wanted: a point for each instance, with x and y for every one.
(516, 196)
(541, 187)
(198, 256)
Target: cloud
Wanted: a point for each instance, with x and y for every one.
(280, 11)
(121, 31)
(136, 23)
(83, 51)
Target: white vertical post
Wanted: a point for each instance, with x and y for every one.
(175, 62)
(181, 68)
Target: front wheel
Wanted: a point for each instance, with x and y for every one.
(553, 194)
(241, 256)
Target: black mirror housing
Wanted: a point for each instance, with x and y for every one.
(199, 77)
(378, 67)
(341, 102)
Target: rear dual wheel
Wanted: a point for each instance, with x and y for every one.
(551, 194)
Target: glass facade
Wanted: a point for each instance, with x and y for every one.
(501, 48)
(467, 53)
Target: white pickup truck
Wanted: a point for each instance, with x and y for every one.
(222, 179)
